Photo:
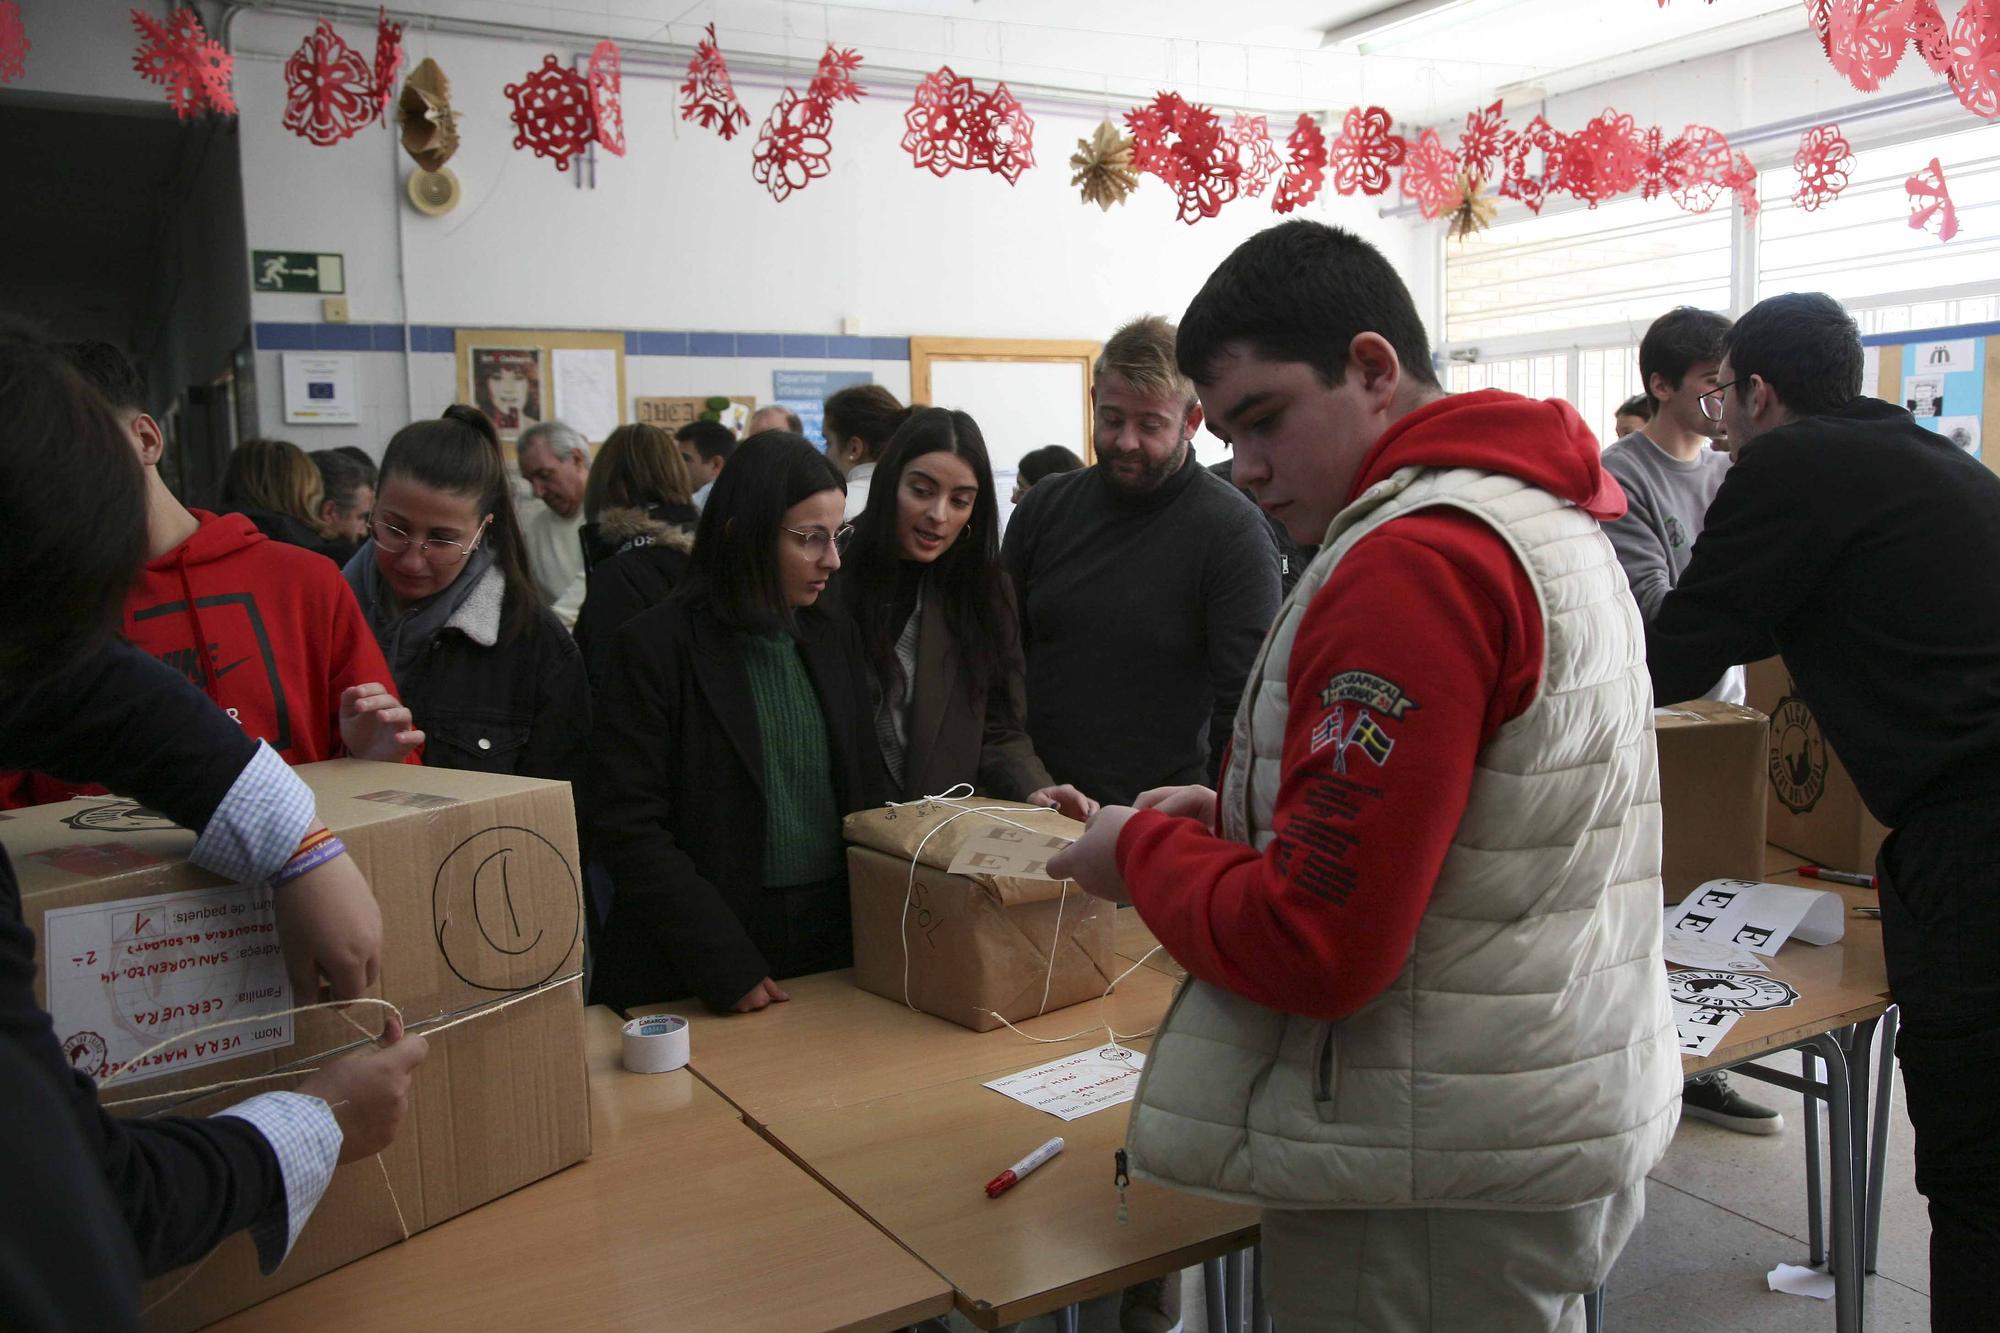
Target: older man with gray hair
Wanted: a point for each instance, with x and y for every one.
(555, 461)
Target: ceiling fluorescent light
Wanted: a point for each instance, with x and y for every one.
(1400, 20)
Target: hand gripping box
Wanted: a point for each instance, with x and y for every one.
(477, 879)
(968, 946)
(1712, 759)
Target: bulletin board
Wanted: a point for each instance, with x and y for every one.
(1023, 392)
(533, 375)
(1949, 384)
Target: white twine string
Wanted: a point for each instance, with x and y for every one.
(1114, 1036)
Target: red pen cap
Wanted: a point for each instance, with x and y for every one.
(1001, 1183)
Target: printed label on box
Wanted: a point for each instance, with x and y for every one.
(125, 976)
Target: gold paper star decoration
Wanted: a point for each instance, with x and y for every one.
(430, 126)
(1474, 211)
(1103, 164)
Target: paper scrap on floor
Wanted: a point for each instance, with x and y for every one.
(1701, 1030)
(1759, 917)
(1076, 1085)
(1796, 1281)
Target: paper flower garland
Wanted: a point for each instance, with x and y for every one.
(1185, 146)
(939, 126)
(708, 96)
(1474, 211)
(1254, 153)
(1483, 145)
(1696, 178)
(1930, 199)
(1656, 162)
(1742, 179)
(1364, 151)
(13, 42)
(552, 112)
(834, 81)
(1823, 161)
(423, 112)
(1003, 135)
(1929, 34)
(792, 145)
(607, 100)
(1603, 159)
(1306, 175)
(1975, 57)
(1431, 176)
(179, 56)
(1864, 40)
(388, 62)
(329, 89)
(1532, 188)
(1102, 166)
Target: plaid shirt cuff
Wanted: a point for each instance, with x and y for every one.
(259, 823)
(306, 1140)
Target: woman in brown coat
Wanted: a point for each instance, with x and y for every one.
(922, 578)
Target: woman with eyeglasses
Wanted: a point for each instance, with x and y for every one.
(938, 622)
(733, 733)
(489, 674)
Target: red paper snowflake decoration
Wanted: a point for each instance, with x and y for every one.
(708, 96)
(834, 81)
(1820, 13)
(13, 42)
(1603, 159)
(1154, 127)
(388, 62)
(1003, 138)
(1697, 175)
(1483, 145)
(1975, 57)
(1929, 34)
(792, 145)
(1864, 40)
(1430, 176)
(329, 89)
(1302, 180)
(1364, 151)
(552, 112)
(607, 97)
(1516, 181)
(1742, 179)
(179, 56)
(1657, 162)
(1823, 161)
(1254, 153)
(941, 128)
(1185, 145)
(1930, 198)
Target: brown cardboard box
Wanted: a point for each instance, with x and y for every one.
(477, 879)
(960, 946)
(1813, 808)
(1712, 758)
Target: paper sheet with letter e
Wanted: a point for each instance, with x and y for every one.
(1002, 849)
(1758, 917)
(1076, 1085)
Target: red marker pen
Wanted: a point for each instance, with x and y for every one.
(1836, 876)
(1018, 1172)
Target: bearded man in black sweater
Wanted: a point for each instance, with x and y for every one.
(1864, 548)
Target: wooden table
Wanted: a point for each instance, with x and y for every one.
(682, 1217)
(834, 1044)
(1133, 941)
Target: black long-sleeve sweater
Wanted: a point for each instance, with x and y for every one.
(1140, 618)
(1867, 550)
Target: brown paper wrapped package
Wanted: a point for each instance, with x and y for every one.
(976, 944)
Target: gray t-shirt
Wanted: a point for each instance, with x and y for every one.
(1667, 501)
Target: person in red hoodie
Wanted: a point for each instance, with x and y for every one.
(270, 632)
(1374, 877)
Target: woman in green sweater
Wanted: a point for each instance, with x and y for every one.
(733, 733)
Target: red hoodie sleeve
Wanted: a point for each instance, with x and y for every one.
(1432, 609)
(356, 659)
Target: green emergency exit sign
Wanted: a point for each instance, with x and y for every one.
(297, 271)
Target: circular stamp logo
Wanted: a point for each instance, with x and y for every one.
(1736, 992)
(119, 817)
(87, 1053)
(1118, 1053)
(1798, 755)
(494, 933)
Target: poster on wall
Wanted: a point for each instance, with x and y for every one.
(507, 386)
(671, 413)
(319, 390)
(586, 381)
(1944, 388)
(806, 391)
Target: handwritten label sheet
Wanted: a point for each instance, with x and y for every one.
(1076, 1085)
(124, 976)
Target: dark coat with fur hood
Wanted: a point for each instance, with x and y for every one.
(635, 557)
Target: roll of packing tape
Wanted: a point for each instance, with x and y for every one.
(656, 1044)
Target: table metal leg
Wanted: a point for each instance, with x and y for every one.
(1212, 1292)
(1815, 1226)
(1069, 1318)
(1845, 1255)
(1236, 1268)
(1593, 1312)
(1260, 1318)
(1878, 1143)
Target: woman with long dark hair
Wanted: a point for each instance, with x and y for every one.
(938, 622)
(639, 527)
(492, 678)
(733, 734)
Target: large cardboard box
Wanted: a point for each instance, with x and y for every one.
(1812, 808)
(477, 879)
(965, 947)
(1712, 758)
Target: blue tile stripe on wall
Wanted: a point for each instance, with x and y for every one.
(277, 337)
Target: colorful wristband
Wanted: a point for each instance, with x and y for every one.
(312, 859)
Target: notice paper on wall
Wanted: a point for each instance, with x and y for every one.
(1758, 917)
(1076, 1085)
(124, 976)
(587, 390)
(1700, 1029)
